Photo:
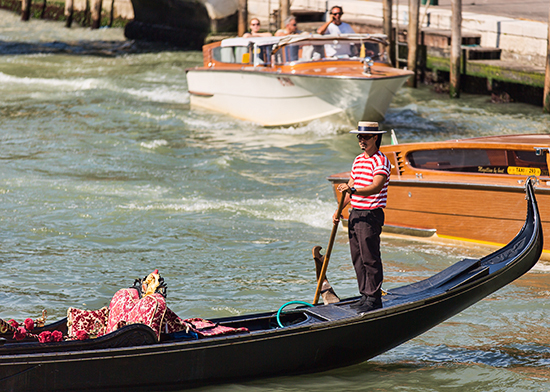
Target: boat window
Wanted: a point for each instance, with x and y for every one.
(309, 51)
(231, 54)
(262, 55)
(495, 161)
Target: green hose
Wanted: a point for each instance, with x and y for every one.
(285, 305)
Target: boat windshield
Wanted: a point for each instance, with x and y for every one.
(491, 161)
(330, 49)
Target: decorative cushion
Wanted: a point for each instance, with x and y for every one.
(150, 311)
(172, 323)
(93, 322)
(127, 308)
(207, 328)
(121, 304)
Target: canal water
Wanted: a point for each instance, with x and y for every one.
(107, 174)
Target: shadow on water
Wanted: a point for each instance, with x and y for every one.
(85, 48)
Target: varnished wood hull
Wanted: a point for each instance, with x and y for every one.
(456, 206)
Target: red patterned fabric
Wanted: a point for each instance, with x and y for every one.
(121, 304)
(150, 311)
(93, 322)
(127, 308)
(172, 322)
(208, 328)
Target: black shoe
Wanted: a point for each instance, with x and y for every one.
(361, 302)
(371, 303)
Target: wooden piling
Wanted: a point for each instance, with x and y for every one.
(112, 14)
(546, 99)
(243, 17)
(388, 30)
(69, 13)
(412, 40)
(456, 42)
(26, 10)
(96, 13)
(87, 14)
(43, 10)
(284, 12)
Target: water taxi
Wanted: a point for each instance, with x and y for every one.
(457, 189)
(278, 81)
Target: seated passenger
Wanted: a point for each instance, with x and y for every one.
(291, 27)
(335, 26)
(255, 29)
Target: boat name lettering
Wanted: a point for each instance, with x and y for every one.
(495, 170)
(285, 81)
(524, 171)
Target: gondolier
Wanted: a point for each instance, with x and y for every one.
(367, 190)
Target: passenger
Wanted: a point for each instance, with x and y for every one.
(255, 29)
(368, 190)
(335, 26)
(291, 27)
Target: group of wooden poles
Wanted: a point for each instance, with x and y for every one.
(92, 11)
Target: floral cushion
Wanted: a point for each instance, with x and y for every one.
(150, 311)
(121, 304)
(93, 322)
(172, 323)
(127, 308)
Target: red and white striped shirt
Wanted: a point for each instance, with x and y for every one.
(362, 172)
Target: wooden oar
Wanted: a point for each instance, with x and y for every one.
(329, 249)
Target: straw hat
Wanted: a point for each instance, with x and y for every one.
(367, 127)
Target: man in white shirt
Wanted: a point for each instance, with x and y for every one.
(335, 26)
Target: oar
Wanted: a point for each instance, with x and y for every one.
(329, 249)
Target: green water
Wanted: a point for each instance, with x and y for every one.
(106, 174)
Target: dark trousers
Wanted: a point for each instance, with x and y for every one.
(364, 228)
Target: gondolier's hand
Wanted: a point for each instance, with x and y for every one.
(336, 218)
(343, 187)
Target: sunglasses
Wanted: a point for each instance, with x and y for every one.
(254, 24)
(365, 137)
(337, 13)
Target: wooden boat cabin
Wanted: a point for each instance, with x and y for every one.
(457, 189)
(278, 51)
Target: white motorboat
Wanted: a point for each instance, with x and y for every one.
(294, 79)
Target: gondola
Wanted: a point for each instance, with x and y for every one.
(302, 340)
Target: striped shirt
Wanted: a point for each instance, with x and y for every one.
(362, 172)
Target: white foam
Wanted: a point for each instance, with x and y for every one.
(160, 94)
(67, 84)
(315, 213)
(154, 144)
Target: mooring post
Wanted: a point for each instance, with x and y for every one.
(43, 11)
(388, 30)
(69, 12)
(412, 40)
(456, 52)
(96, 13)
(87, 14)
(243, 17)
(284, 12)
(546, 99)
(112, 14)
(26, 10)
